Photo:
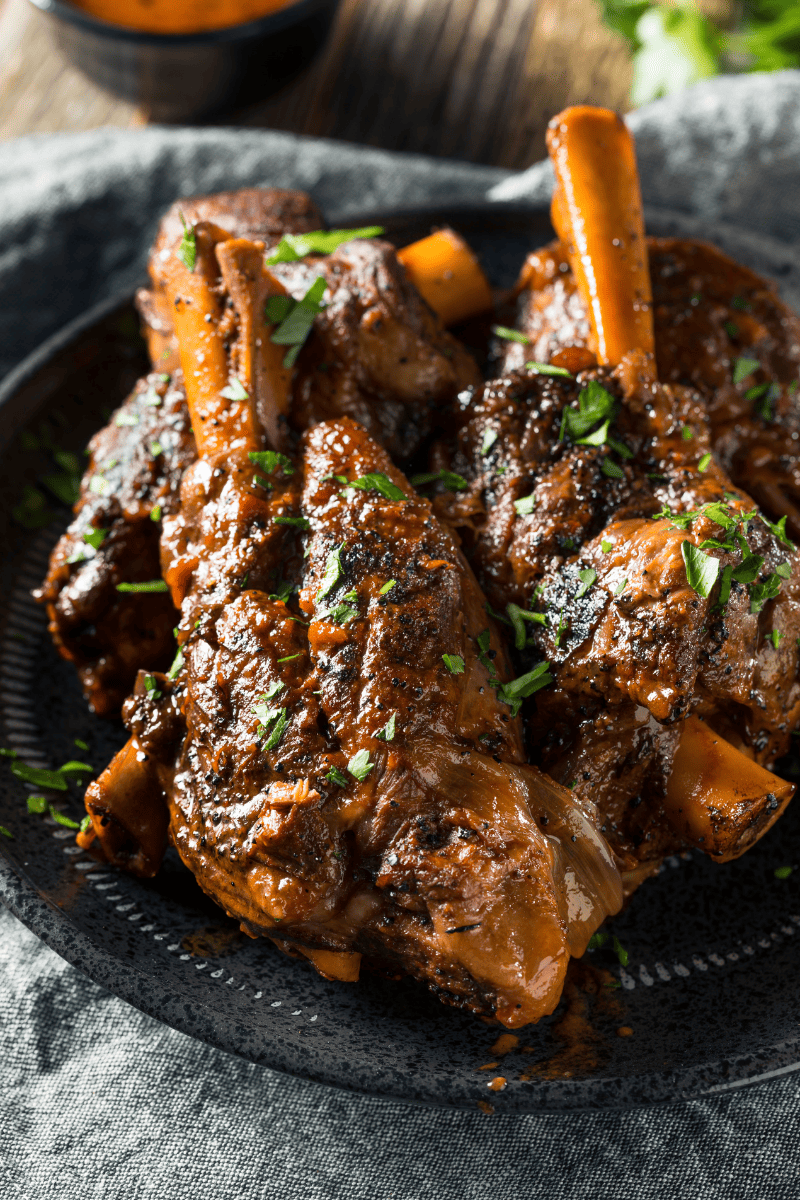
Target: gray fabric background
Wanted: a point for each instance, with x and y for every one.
(100, 1101)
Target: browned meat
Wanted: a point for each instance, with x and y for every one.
(713, 319)
(376, 353)
(132, 481)
(379, 354)
(334, 780)
(570, 532)
(262, 213)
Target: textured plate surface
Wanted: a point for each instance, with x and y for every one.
(711, 989)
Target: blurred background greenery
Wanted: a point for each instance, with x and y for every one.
(677, 42)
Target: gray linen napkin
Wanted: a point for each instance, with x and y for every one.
(99, 1100)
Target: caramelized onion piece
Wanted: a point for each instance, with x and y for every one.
(129, 813)
(518, 939)
(717, 798)
(597, 214)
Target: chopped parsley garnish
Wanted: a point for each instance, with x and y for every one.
(387, 733)
(289, 657)
(510, 335)
(273, 722)
(270, 460)
(606, 546)
(76, 768)
(333, 572)
(518, 616)
(519, 689)
(387, 587)
(124, 419)
(704, 463)
(620, 588)
(298, 522)
(376, 481)
(454, 663)
(744, 367)
(156, 448)
(187, 251)
(155, 513)
(611, 470)
(177, 663)
(86, 824)
(775, 637)
(451, 481)
(687, 433)
(148, 585)
(779, 531)
(337, 776)
(151, 687)
(297, 320)
(343, 612)
(61, 819)
(595, 404)
(783, 872)
(81, 744)
(39, 777)
(587, 576)
(701, 569)
(620, 951)
(293, 246)
(525, 506)
(235, 390)
(360, 766)
(37, 804)
(151, 397)
(6, 832)
(489, 438)
(547, 369)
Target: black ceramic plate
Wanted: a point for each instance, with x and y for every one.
(711, 989)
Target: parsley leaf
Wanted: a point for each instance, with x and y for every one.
(587, 577)
(525, 506)
(606, 546)
(270, 460)
(519, 689)
(149, 585)
(783, 872)
(387, 587)
(126, 419)
(155, 513)
(39, 777)
(275, 726)
(378, 482)
(293, 246)
(360, 766)
(187, 251)
(451, 481)
(518, 616)
(235, 390)
(454, 663)
(547, 369)
(611, 470)
(743, 367)
(296, 325)
(595, 404)
(489, 438)
(337, 776)
(387, 733)
(95, 538)
(333, 572)
(704, 463)
(298, 522)
(701, 569)
(510, 335)
(779, 531)
(177, 663)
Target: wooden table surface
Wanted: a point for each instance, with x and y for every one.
(469, 79)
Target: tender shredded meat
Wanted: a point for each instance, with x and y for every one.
(711, 315)
(133, 478)
(634, 648)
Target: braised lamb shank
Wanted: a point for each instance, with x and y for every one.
(599, 523)
(342, 769)
(377, 353)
